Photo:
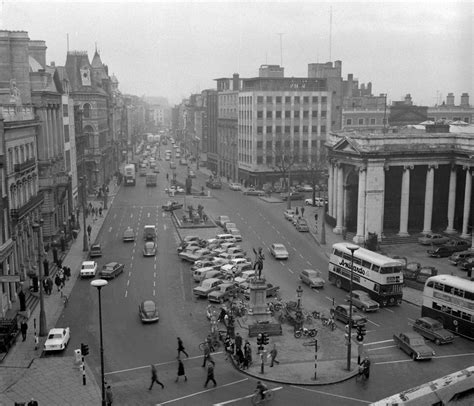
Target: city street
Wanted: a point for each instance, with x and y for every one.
(131, 346)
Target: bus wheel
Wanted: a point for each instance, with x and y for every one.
(383, 303)
(338, 283)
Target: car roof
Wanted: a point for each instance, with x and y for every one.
(88, 262)
(278, 245)
(112, 264)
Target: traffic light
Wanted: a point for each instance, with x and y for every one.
(361, 331)
(265, 339)
(259, 339)
(84, 349)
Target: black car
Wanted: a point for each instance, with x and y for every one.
(214, 184)
(440, 252)
(95, 251)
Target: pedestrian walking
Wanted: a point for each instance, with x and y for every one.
(109, 396)
(248, 352)
(238, 342)
(316, 217)
(100, 211)
(302, 211)
(210, 375)
(50, 285)
(207, 356)
(24, 329)
(67, 272)
(45, 286)
(154, 377)
(181, 371)
(273, 355)
(297, 211)
(57, 282)
(181, 348)
(239, 357)
(89, 230)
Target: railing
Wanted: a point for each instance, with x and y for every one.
(28, 164)
(52, 181)
(35, 201)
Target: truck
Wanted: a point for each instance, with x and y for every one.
(130, 177)
(151, 179)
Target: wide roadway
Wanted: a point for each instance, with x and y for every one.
(131, 346)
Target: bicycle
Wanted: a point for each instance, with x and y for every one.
(257, 399)
(215, 344)
(65, 299)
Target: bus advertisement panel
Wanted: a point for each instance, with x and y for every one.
(378, 275)
(450, 300)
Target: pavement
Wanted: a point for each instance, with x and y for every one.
(24, 374)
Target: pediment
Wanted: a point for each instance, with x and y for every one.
(347, 146)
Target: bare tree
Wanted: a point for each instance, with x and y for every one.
(284, 159)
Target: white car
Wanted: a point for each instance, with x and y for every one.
(279, 251)
(88, 269)
(289, 214)
(58, 339)
(235, 186)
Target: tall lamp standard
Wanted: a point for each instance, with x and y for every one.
(299, 293)
(99, 284)
(352, 249)
(37, 227)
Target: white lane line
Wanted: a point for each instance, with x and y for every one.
(301, 255)
(155, 263)
(379, 342)
(154, 274)
(148, 215)
(381, 348)
(115, 215)
(126, 292)
(153, 292)
(201, 392)
(128, 282)
(331, 394)
(245, 397)
(129, 274)
(394, 362)
(375, 324)
(388, 310)
(110, 229)
(290, 270)
(131, 215)
(309, 263)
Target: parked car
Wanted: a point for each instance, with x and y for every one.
(433, 330)
(415, 271)
(214, 184)
(293, 196)
(149, 250)
(458, 245)
(414, 345)
(254, 192)
(202, 263)
(95, 251)
(312, 278)
(304, 188)
(111, 270)
(279, 251)
(207, 286)
(467, 264)
(172, 205)
(289, 214)
(183, 161)
(221, 220)
(458, 257)
(148, 311)
(228, 226)
(58, 339)
(440, 252)
(88, 269)
(302, 225)
(341, 312)
(236, 233)
(362, 301)
(433, 239)
(425, 273)
(318, 202)
(128, 234)
(235, 186)
(223, 293)
(191, 174)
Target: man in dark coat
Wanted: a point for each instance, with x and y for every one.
(210, 375)
(24, 329)
(181, 348)
(154, 377)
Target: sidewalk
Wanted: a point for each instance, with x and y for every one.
(51, 380)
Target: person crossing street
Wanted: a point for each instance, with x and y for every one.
(210, 375)
(181, 348)
(154, 377)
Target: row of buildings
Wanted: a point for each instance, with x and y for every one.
(64, 130)
(258, 129)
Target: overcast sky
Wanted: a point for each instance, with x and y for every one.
(173, 49)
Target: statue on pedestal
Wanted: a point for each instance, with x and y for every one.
(258, 264)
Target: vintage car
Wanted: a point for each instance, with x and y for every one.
(302, 225)
(433, 239)
(341, 312)
(129, 234)
(312, 278)
(236, 233)
(440, 252)
(207, 286)
(304, 188)
(111, 270)
(170, 206)
(235, 186)
(279, 251)
(289, 214)
(148, 311)
(362, 301)
(57, 340)
(191, 174)
(432, 330)
(459, 257)
(414, 345)
(223, 293)
(214, 184)
(149, 250)
(457, 245)
(88, 269)
(95, 251)
(221, 220)
(254, 192)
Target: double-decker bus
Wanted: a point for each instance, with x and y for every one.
(450, 299)
(129, 171)
(378, 275)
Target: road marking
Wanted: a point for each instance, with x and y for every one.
(131, 215)
(309, 263)
(154, 274)
(381, 348)
(129, 274)
(201, 392)
(411, 320)
(115, 215)
(378, 342)
(301, 255)
(469, 354)
(126, 292)
(148, 215)
(154, 283)
(388, 310)
(110, 229)
(394, 362)
(245, 397)
(290, 270)
(375, 324)
(153, 292)
(128, 282)
(155, 263)
(331, 394)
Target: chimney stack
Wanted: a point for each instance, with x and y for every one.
(465, 100)
(235, 82)
(450, 99)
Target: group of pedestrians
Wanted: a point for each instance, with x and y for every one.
(94, 211)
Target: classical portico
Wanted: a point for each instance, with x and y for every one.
(403, 182)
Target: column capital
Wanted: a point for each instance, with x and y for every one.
(466, 167)
(408, 167)
(432, 166)
(361, 168)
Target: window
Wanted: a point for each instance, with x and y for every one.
(278, 114)
(315, 99)
(313, 143)
(297, 99)
(349, 121)
(296, 114)
(287, 143)
(466, 120)
(305, 144)
(259, 99)
(278, 144)
(269, 99)
(324, 99)
(288, 99)
(66, 133)
(287, 129)
(305, 114)
(269, 144)
(296, 144)
(314, 113)
(259, 114)
(65, 110)
(323, 114)
(269, 159)
(305, 129)
(260, 130)
(314, 129)
(259, 160)
(361, 121)
(269, 129)
(278, 129)
(372, 121)
(296, 129)
(278, 99)
(287, 114)
(269, 114)
(259, 144)
(305, 99)
(323, 129)
(87, 110)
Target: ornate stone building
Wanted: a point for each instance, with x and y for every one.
(404, 181)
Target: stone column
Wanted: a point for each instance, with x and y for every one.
(334, 190)
(340, 200)
(405, 201)
(360, 236)
(467, 203)
(330, 189)
(429, 186)
(452, 200)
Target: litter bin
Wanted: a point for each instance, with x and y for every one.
(77, 357)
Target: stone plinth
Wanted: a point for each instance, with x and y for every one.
(258, 296)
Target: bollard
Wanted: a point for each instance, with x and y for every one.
(77, 358)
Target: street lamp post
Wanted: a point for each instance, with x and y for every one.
(37, 227)
(85, 244)
(299, 293)
(352, 249)
(323, 223)
(288, 205)
(99, 284)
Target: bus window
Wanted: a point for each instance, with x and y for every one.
(366, 264)
(376, 268)
(458, 292)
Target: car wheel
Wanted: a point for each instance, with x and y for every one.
(363, 308)
(413, 356)
(437, 341)
(338, 283)
(384, 303)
